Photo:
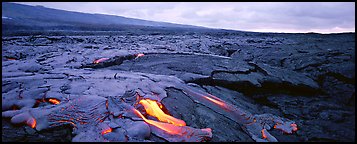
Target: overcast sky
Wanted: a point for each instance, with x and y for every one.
(321, 17)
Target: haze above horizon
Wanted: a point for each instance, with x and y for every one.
(286, 17)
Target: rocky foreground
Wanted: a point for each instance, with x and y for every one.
(179, 87)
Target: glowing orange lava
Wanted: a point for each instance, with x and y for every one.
(153, 109)
(31, 122)
(107, 131)
(169, 128)
(106, 104)
(138, 55)
(219, 102)
(294, 127)
(277, 124)
(263, 134)
(54, 101)
(100, 60)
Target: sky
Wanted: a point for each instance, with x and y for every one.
(287, 17)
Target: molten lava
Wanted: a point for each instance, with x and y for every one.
(138, 55)
(263, 134)
(286, 129)
(54, 101)
(106, 104)
(106, 131)
(218, 101)
(169, 128)
(153, 109)
(31, 122)
(294, 127)
(100, 60)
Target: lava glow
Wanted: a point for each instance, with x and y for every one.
(66, 121)
(54, 101)
(172, 129)
(100, 60)
(153, 109)
(279, 126)
(215, 101)
(294, 127)
(169, 128)
(139, 55)
(107, 131)
(263, 134)
(31, 122)
(106, 104)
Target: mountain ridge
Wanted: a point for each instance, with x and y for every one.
(40, 16)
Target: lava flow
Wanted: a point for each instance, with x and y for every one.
(100, 60)
(294, 127)
(218, 101)
(169, 128)
(54, 101)
(11, 59)
(106, 131)
(286, 128)
(263, 134)
(138, 55)
(211, 98)
(153, 109)
(31, 122)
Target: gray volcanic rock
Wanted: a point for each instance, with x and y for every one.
(225, 86)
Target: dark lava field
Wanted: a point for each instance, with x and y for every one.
(215, 86)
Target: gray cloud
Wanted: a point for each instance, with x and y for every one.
(324, 17)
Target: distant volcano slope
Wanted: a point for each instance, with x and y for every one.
(17, 17)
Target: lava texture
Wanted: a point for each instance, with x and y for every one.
(179, 87)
